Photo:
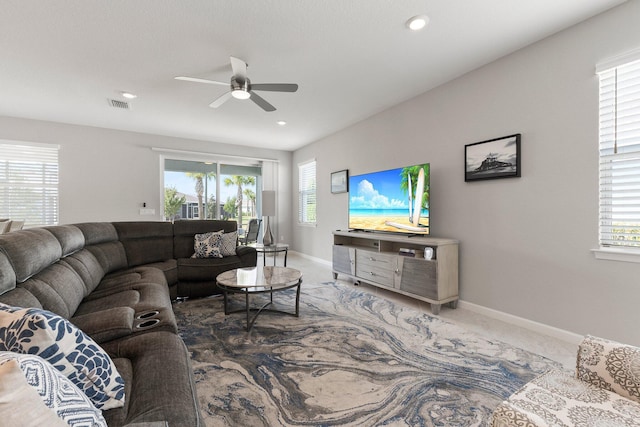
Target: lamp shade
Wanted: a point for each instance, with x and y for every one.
(268, 203)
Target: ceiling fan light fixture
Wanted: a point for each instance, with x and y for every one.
(417, 22)
(240, 94)
(240, 88)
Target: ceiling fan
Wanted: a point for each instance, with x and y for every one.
(242, 88)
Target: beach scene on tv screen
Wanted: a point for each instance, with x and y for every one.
(395, 200)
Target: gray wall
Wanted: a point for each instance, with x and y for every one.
(525, 242)
(106, 175)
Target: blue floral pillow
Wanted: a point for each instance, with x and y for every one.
(207, 245)
(56, 391)
(67, 348)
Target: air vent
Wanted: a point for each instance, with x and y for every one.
(119, 104)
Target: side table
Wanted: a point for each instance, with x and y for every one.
(271, 249)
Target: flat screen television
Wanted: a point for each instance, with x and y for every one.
(394, 200)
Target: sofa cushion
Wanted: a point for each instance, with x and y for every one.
(205, 269)
(107, 324)
(169, 268)
(68, 349)
(68, 404)
(157, 370)
(98, 232)
(70, 237)
(110, 255)
(556, 398)
(146, 241)
(610, 365)
(7, 275)
(101, 239)
(30, 251)
(20, 297)
(58, 288)
(87, 267)
(20, 403)
(127, 279)
(207, 245)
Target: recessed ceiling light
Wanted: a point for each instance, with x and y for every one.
(417, 22)
(129, 95)
(281, 122)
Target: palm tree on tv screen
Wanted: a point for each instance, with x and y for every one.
(413, 171)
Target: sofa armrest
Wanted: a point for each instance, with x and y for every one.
(248, 256)
(610, 366)
(106, 325)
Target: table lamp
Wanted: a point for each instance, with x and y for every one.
(268, 209)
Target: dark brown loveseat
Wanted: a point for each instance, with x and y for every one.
(115, 281)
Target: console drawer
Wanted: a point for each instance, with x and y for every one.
(376, 267)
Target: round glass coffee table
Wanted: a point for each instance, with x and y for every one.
(259, 280)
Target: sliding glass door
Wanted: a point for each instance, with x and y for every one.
(212, 190)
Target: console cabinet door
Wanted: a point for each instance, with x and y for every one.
(344, 259)
(420, 277)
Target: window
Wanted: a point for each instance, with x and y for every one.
(307, 193)
(29, 183)
(620, 154)
(193, 188)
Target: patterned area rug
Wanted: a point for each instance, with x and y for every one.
(350, 359)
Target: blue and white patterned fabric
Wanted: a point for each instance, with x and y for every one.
(207, 245)
(67, 348)
(57, 391)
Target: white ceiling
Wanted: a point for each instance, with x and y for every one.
(60, 60)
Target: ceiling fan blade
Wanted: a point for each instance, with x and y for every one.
(239, 67)
(195, 80)
(275, 87)
(261, 102)
(221, 100)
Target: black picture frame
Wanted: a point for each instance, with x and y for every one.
(493, 159)
(340, 181)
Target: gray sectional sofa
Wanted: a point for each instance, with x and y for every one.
(116, 282)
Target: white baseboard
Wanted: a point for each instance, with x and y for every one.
(532, 325)
(311, 258)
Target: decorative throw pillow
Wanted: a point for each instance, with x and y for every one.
(34, 393)
(67, 348)
(207, 245)
(229, 243)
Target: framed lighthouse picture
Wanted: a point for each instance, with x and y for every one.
(492, 159)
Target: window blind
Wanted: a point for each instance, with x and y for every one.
(307, 192)
(29, 183)
(620, 155)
